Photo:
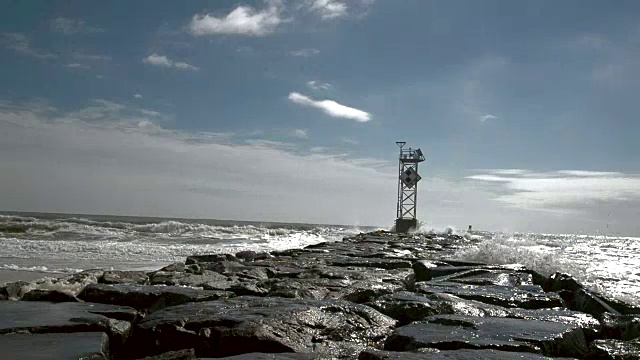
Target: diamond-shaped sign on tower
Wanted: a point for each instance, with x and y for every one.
(410, 177)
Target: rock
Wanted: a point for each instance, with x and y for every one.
(589, 325)
(434, 354)
(407, 307)
(422, 269)
(559, 281)
(234, 326)
(621, 327)
(614, 349)
(49, 295)
(528, 297)
(371, 262)
(278, 356)
(250, 255)
(175, 267)
(231, 268)
(185, 278)
(211, 258)
(78, 345)
(147, 298)
(14, 290)
(124, 277)
(185, 354)
(452, 332)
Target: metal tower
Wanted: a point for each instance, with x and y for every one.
(407, 188)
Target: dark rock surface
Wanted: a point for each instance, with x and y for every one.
(124, 277)
(451, 332)
(146, 297)
(371, 296)
(434, 354)
(527, 297)
(270, 325)
(48, 295)
(64, 346)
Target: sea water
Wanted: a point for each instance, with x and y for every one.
(65, 244)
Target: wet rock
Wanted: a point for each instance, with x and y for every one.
(124, 277)
(250, 255)
(422, 269)
(185, 278)
(193, 269)
(185, 354)
(231, 268)
(45, 317)
(279, 356)
(49, 295)
(614, 349)
(175, 267)
(211, 258)
(371, 262)
(452, 332)
(621, 327)
(147, 297)
(79, 345)
(590, 326)
(14, 290)
(434, 354)
(527, 297)
(231, 327)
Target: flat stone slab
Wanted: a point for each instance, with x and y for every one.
(69, 346)
(614, 349)
(434, 354)
(147, 297)
(451, 332)
(527, 297)
(45, 317)
(268, 325)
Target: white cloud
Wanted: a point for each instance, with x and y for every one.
(486, 117)
(21, 45)
(331, 107)
(243, 20)
(565, 189)
(72, 26)
(137, 96)
(301, 133)
(163, 61)
(350, 141)
(317, 85)
(328, 9)
(305, 52)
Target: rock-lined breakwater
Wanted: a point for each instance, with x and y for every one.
(372, 296)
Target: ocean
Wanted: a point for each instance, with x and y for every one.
(63, 244)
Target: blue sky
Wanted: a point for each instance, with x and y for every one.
(289, 110)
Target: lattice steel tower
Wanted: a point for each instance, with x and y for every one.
(407, 188)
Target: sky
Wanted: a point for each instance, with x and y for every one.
(289, 111)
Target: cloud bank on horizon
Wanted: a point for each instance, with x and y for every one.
(104, 114)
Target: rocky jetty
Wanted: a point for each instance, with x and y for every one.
(372, 296)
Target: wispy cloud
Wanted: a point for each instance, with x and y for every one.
(20, 44)
(243, 20)
(76, 66)
(163, 61)
(331, 107)
(72, 26)
(305, 52)
(318, 85)
(328, 9)
(301, 133)
(137, 96)
(565, 189)
(486, 117)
